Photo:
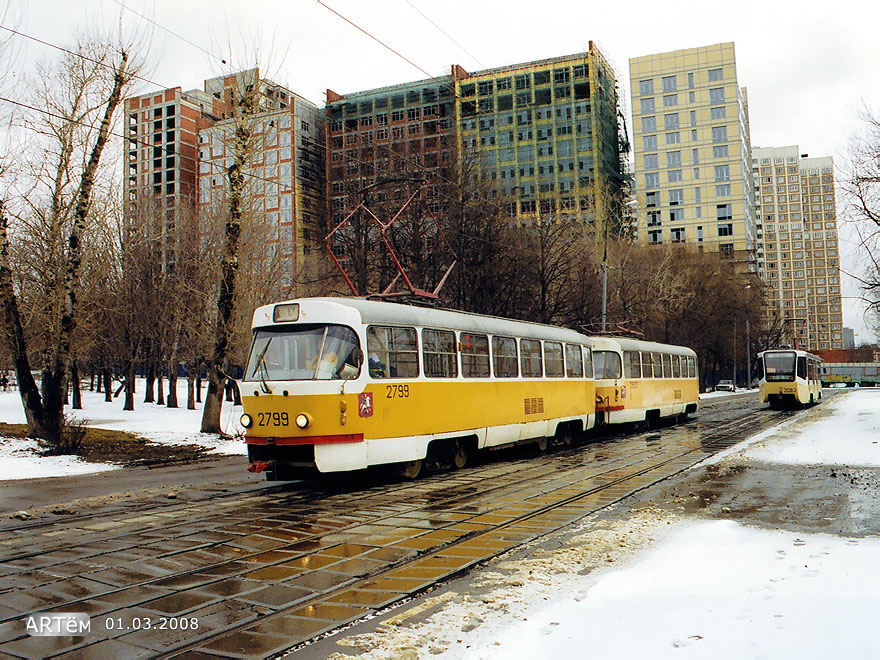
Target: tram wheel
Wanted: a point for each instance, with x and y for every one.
(411, 469)
(461, 454)
(542, 444)
(567, 437)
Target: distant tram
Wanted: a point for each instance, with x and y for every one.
(789, 377)
(863, 374)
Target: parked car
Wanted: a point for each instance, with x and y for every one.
(724, 386)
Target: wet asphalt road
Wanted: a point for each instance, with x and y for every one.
(263, 568)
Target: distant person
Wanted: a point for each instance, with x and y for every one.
(4, 381)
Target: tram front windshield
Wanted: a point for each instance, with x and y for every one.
(304, 352)
(779, 366)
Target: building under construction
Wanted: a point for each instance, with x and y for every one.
(541, 138)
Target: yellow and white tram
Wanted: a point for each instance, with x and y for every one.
(789, 376)
(643, 381)
(339, 384)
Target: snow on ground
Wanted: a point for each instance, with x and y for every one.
(662, 586)
(162, 425)
(709, 590)
(849, 436)
(19, 460)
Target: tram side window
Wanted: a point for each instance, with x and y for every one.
(676, 366)
(439, 354)
(647, 366)
(606, 365)
(574, 361)
(692, 366)
(474, 356)
(658, 365)
(504, 357)
(759, 369)
(802, 367)
(553, 364)
(392, 352)
(667, 365)
(588, 362)
(632, 366)
(530, 358)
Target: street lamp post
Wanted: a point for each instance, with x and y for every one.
(734, 354)
(748, 357)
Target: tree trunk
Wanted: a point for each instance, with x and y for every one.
(199, 384)
(190, 390)
(213, 400)
(149, 396)
(173, 366)
(129, 387)
(92, 380)
(160, 389)
(14, 336)
(236, 393)
(108, 385)
(172, 384)
(74, 381)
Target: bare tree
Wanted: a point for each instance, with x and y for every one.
(246, 99)
(861, 185)
(80, 107)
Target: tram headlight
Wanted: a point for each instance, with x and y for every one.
(302, 420)
(247, 421)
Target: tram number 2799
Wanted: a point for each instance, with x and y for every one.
(273, 419)
(396, 391)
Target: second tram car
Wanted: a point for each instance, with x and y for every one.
(640, 381)
(339, 384)
(789, 377)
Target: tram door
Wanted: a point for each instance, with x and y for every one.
(608, 371)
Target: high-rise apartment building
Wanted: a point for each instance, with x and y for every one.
(692, 151)
(544, 135)
(547, 132)
(179, 150)
(798, 245)
(284, 183)
(161, 164)
(398, 132)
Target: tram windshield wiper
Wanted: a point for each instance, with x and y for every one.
(264, 375)
(263, 369)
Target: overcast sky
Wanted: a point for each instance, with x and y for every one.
(809, 67)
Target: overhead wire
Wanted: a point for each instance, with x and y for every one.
(172, 33)
(19, 33)
(446, 34)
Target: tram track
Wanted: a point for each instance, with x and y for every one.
(461, 518)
